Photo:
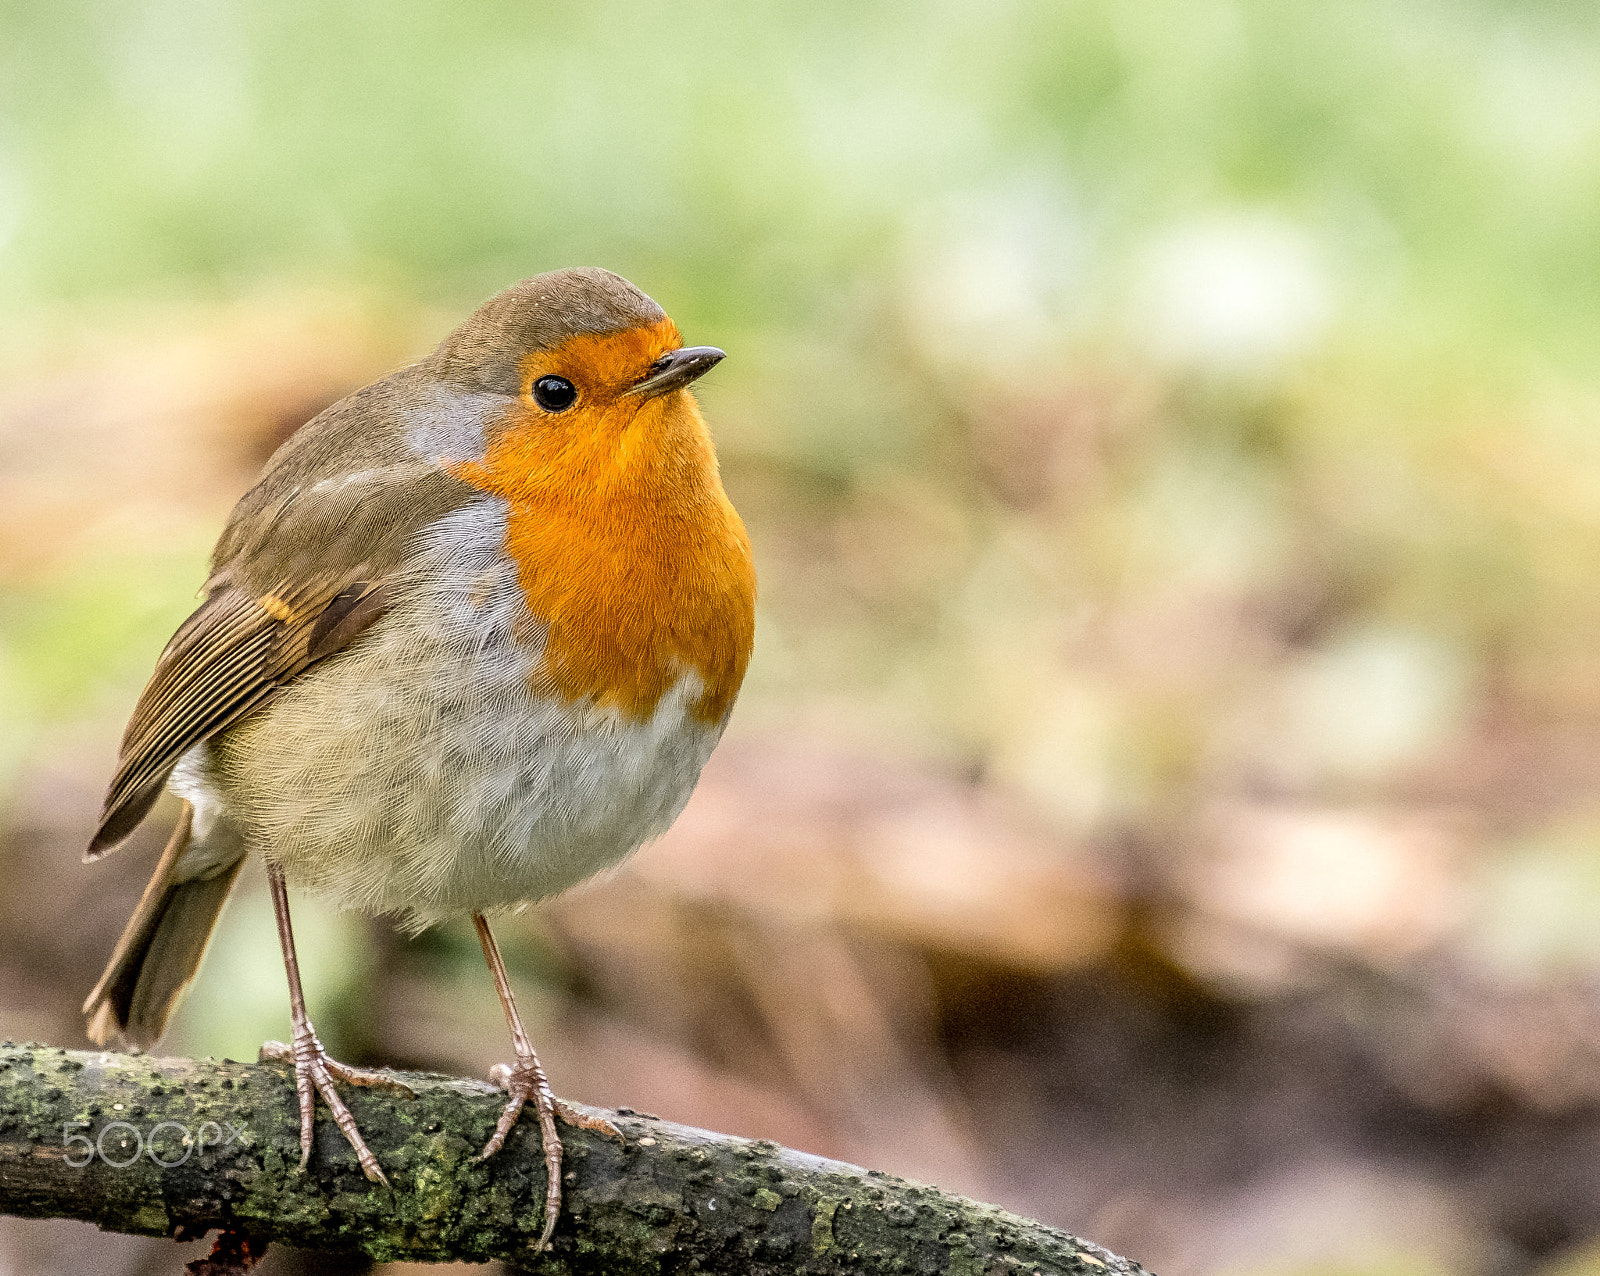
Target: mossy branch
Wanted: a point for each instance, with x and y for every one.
(166, 1147)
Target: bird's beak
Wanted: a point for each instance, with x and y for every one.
(675, 370)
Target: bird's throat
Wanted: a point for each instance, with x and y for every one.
(632, 561)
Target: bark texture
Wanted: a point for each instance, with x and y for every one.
(175, 1147)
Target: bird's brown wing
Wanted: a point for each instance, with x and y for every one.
(303, 567)
(228, 658)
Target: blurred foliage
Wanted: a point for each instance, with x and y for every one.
(765, 166)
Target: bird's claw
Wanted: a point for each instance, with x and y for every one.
(522, 1081)
(500, 1077)
(314, 1074)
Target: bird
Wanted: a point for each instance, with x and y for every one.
(467, 642)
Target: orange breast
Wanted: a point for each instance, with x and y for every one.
(627, 550)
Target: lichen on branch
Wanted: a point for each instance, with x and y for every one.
(164, 1147)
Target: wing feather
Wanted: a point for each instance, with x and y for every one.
(294, 580)
(230, 657)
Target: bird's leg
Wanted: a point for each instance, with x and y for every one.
(314, 1071)
(525, 1080)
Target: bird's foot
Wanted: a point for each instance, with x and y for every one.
(500, 1076)
(314, 1074)
(524, 1081)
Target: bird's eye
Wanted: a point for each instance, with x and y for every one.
(554, 394)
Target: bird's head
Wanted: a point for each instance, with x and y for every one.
(628, 551)
(588, 378)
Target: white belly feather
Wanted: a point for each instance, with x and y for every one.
(421, 774)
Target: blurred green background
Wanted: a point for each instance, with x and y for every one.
(1168, 433)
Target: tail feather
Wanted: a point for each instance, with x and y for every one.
(161, 947)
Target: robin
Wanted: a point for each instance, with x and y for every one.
(468, 641)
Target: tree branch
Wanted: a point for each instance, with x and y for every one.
(165, 1147)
